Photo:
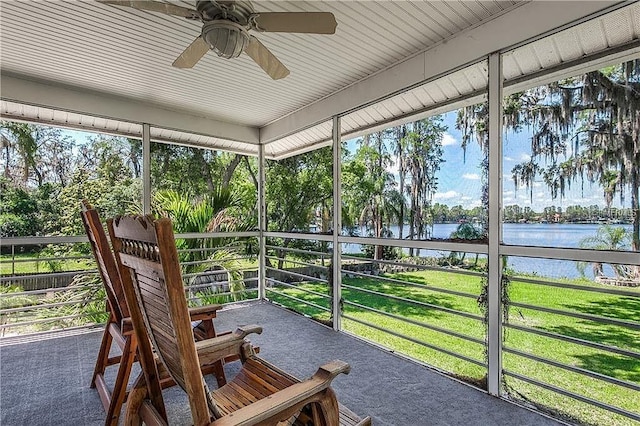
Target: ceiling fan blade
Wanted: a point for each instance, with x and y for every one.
(192, 54)
(296, 22)
(155, 6)
(267, 60)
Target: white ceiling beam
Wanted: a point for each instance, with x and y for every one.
(37, 93)
(524, 23)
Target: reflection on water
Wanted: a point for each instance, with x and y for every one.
(533, 234)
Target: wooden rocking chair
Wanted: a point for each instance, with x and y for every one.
(259, 394)
(119, 328)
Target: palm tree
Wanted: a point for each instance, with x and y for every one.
(209, 213)
(466, 231)
(22, 139)
(607, 238)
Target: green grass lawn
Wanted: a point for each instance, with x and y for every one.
(572, 300)
(28, 263)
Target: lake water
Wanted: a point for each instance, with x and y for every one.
(533, 234)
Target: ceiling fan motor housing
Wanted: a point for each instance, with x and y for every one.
(226, 38)
(233, 10)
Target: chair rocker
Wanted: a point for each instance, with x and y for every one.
(119, 327)
(259, 394)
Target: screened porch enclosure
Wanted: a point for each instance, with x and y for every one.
(458, 196)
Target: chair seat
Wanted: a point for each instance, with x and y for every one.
(256, 380)
(349, 418)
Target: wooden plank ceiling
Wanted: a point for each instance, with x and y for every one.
(128, 53)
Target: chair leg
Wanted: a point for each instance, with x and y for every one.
(103, 354)
(122, 379)
(218, 367)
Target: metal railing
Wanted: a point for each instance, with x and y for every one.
(34, 302)
(412, 306)
(381, 301)
(593, 330)
(419, 309)
(299, 279)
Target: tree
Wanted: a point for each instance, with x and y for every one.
(33, 154)
(607, 238)
(400, 148)
(473, 120)
(466, 231)
(377, 197)
(585, 129)
(18, 211)
(103, 176)
(370, 191)
(424, 156)
(19, 139)
(381, 206)
(296, 189)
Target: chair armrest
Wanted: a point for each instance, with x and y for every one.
(126, 326)
(308, 391)
(217, 348)
(204, 312)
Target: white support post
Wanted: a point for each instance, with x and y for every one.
(146, 169)
(337, 226)
(262, 224)
(494, 337)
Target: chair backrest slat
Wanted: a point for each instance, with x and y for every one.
(147, 248)
(105, 262)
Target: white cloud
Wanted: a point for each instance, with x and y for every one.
(471, 176)
(446, 195)
(448, 139)
(509, 159)
(394, 168)
(525, 157)
(466, 198)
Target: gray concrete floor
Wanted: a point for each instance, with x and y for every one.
(45, 382)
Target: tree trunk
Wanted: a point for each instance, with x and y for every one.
(206, 170)
(8, 156)
(413, 219)
(401, 218)
(228, 171)
(635, 208)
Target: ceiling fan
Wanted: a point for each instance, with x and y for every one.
(226, 26)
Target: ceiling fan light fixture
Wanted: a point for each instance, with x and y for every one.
(225, 38)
